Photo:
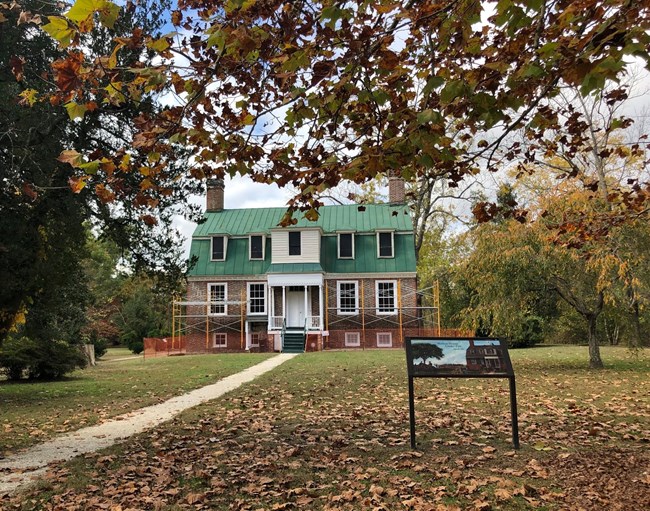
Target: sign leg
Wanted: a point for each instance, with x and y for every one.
(412, 412)
(513, 413)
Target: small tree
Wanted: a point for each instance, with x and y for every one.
(143, 313)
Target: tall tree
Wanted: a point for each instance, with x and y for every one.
(44, 202)
(40, 218)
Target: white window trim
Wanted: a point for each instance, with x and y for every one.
(248, 302)
(356, 297)
(338, 244)
(220, 335)
(255, 335)
(354, 344)
(392, 244)
(390, 340)
(225, 246)
(250, 248)
(225, 295)
(382, 313)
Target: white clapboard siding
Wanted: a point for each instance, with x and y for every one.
(309, 250)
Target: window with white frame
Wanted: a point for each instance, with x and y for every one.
(346, 245)
(386, 294)
(384, 339)
(219, 245)
(256, 298)
(385, 244)
(255, 340)
(347, 297)
(219, 340)
(256, 246)
(217, 294)
(352, 339)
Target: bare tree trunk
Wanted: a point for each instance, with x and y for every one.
(595, 362)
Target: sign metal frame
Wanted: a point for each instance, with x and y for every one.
(484, 357)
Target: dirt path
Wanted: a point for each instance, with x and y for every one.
(23, 468)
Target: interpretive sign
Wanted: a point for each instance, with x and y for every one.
(467, 357)
(458, 357)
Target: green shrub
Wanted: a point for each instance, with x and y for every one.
(16, 355)
(22, 356)
(135, 345)
(531, 332)
(99, 343)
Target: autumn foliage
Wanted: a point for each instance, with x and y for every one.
(311, 93)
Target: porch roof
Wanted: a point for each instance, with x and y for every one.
(295, 268)
(295, 279)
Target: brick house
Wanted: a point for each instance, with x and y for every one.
(347, 280)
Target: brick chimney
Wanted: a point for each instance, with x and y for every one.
(396, 189)
(214, 199)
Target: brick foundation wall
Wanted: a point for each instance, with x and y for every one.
(368, 338)
(156, 346)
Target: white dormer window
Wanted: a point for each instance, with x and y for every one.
(294, 243)
(346, 245)
(256, 247)
(385, 244)
(219, 247)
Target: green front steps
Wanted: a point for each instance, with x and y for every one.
(293, 341)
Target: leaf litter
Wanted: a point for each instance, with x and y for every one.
(330, 432)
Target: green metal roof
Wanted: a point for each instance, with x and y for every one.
(365, 261)
(364, 221)
(365, 255)
(349, 217)
(236, 263)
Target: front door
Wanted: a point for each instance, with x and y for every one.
(295, 309)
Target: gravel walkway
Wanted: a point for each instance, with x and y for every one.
(23, 468)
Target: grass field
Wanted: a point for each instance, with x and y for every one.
(117, 354)
(34, 411)
(330, 431)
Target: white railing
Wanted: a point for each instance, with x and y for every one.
(313, 323)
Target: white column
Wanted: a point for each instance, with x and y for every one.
(321, 307)
(248, 337)
(269, 306)
(306, 306)
(284, 302)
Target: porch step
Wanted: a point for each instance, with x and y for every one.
(293, 342)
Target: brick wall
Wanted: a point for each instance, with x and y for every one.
(368, 304)
(338, 324)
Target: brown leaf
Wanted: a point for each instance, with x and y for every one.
(321, 70)
(67, 72)
(16, 64)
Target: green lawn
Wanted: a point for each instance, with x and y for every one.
(117, 353)
(329, 431)
(34, 411)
